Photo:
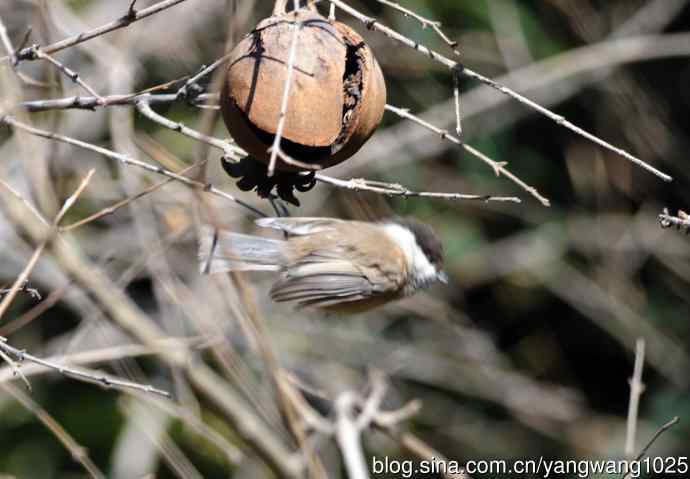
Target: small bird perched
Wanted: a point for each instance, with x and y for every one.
(332, 264)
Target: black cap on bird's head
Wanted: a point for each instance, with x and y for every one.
(428, 241)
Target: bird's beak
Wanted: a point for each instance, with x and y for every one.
(442, 277)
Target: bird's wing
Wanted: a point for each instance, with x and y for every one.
(299, 226)
(319, 280)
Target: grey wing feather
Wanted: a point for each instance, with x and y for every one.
(299, 226)
(323, 288)
(328, 302)
(312, 281)
(318, 285)
(221, 251)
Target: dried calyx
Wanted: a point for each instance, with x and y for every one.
(337, 95)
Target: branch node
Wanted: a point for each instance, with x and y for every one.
(131, 12)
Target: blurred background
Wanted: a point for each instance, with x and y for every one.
(527, 352)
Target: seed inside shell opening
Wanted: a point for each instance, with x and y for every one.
(352, 91)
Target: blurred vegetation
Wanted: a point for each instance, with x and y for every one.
(538, 282)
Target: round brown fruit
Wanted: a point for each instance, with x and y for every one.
(337, 96)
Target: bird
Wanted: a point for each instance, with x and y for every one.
(332, 264)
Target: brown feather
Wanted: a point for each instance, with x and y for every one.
(325, 269)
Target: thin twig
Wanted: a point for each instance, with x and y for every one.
(636, 390)
(101, 379)
(69, 202)
(393, 418)
(372, 404)
(131, 12)
(310, 416)
(183, 92)
(425, 22)
(23, 288)
(121, 204)
(127, 160)
(275, 150)
(457, 101)
(498, 167)
(110, 353)
(233, 153)
(7, 43)
(656, 436)
(92, 103)
(394, 189)
(16, 371)
(233, 454)
(347, 434)
(26, 202)
(25, 40)
(24, 275)
(122, 22)
(71, 74)
(22, 279)
(373, 24)
(53, 298)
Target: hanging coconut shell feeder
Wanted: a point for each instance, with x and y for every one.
(337, 94)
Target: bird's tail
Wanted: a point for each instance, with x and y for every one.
(221, 251)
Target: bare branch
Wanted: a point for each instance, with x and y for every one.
(231, 152)
(34, 313)
(71, 74)
(372, 404)
(636, 390)
(122, 22)
(7, 43)
(92, 103)
(394, 189)
(651, 442)
(25, 39)
(127, 160)
(183, 92)
(347, 433)
(121, 204)
(28, 204)
(373, 24)
(457, 101)
(131, 12)
(14, 367)
(425, 22)
(498, 167)
(23, 288)
(24, 276)
(101, 379)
